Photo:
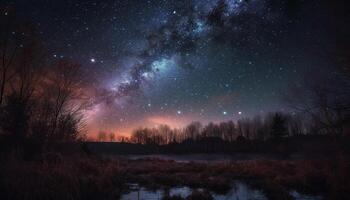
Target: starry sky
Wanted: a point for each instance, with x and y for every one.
(154, 62)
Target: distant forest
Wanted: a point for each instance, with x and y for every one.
(272, 126)
(276, 133)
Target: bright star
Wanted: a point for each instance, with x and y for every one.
(93, 60)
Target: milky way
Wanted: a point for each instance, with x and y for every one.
(169, 61)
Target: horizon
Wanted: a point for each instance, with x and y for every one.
(93, 136)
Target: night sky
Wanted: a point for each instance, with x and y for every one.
(172, 62)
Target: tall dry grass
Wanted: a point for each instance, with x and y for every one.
(95, 178)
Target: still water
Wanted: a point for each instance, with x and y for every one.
(239, 191)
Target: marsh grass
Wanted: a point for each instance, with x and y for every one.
(83, 177)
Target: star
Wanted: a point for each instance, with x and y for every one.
(201, 60)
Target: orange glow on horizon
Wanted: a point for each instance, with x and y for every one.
(150, 122)
(173, 122)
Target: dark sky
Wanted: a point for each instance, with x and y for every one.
(173, 61)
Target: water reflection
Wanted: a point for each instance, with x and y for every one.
(297, 196)
(239, 191)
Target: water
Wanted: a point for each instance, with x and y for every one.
(239, 191)
(143, 194)
(298, 196)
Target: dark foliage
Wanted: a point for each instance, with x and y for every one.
(14, 118)
(279, 126)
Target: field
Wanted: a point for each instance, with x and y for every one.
(82, 177)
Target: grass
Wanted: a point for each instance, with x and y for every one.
(71, 179)
(95, 178)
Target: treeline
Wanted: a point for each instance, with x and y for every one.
(318, 105)
(40, 99)
(272, 126)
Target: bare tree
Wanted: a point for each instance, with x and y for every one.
(20, 68)
(123, 139)
(244, 127)
(165, 132)
(102, 136)
(137, 136)
(29, 70)
(279, 126)
(325, 99)
(295, 125)
(256, 127)
(11, 38)
(111, 137)
(193, 130)
(228, 130)
(16, 45)
(62, 100)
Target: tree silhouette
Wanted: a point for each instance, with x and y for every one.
(279, 126)
(14, 118)
(102, 136)
(111, 137)
(9, 45)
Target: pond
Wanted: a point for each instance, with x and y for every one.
(297, 196)
(239, 191)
